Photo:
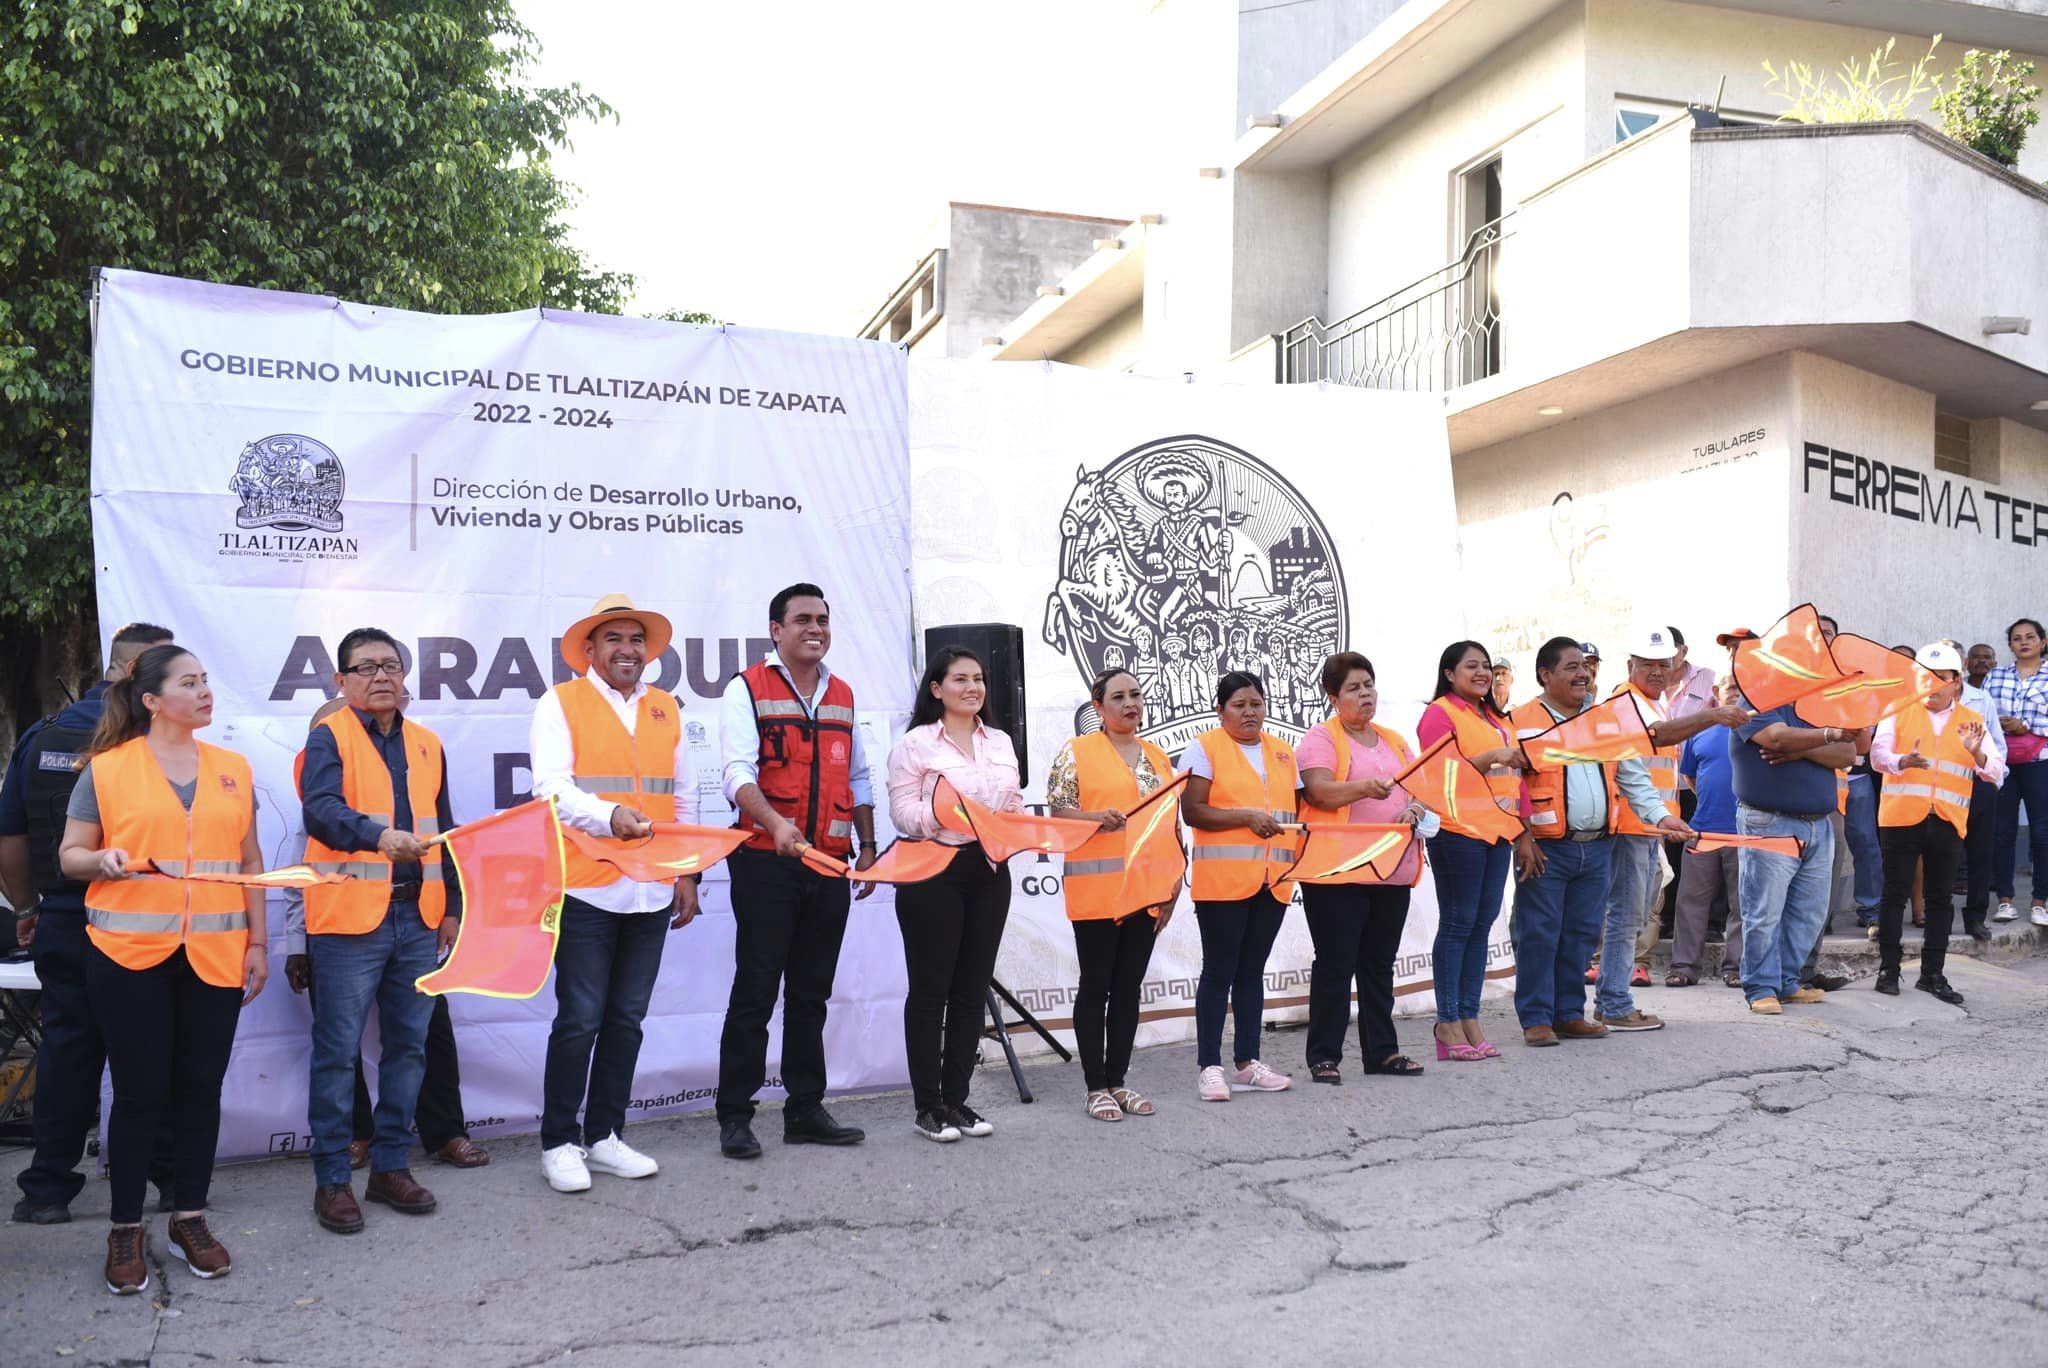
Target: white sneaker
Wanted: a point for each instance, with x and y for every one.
(614, 1156)
(2039, 916)
(2006, 912)
(1256, 1077)
(565, 1169)
(1213, 1086)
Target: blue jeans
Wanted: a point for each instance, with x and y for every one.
(1629, 898)
(1471, 877)
(1557, 922)
(1236, 938)
(1859, 824)
(605, 967)
(378, 966)
(2025, 785)
(1784, 900)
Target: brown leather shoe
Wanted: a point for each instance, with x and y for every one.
(1580, 1030)
(397, 1190)
(127, 1271)
(334, 1206)
(194, 1243)
(358, 1154)
(1540, 1035)
(463, 1152)
(1638, 1020)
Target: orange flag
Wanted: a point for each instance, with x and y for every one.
(675, 849)
(291, 876)
(1446, 783)
(1361, 853)
(1786, 663)
(904, 862)
(1877, 682)
(1155, 861)
(511, 870)
(1601, 735)
(1003, 834)
(1772, 845)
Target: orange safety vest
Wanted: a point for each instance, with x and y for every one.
(1546, 787)
(806, 763)
(138, 922)
(1315, 816)
(358, 906)
(1475, 735)
(1910, 795)
(636, 768)
(1094, 872)
(1663, 768)
(1235, 864)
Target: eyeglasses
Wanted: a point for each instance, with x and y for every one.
(370, 669)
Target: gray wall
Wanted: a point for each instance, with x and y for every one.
(997, 259)
(1280, 46)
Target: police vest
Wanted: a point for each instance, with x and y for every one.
(1234, 864)
(140, 922)
(50, 767)
(1093, 876)
(805, 767)
(636, 768)
(1943, 789)
(352, 908)
(1663, 768)
(1476, 735)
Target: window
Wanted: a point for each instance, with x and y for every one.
(1629, 122)
(1952, 449)
(1635, 114)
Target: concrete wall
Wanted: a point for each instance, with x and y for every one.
(1113, 346)
(997, 259)
(1905, 578)
(1668, 510)
(1279, 47)
(1280, 230)
(1391, 214)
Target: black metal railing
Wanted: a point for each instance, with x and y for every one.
(1441, 332)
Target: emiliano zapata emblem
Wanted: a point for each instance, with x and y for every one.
(290, 482)
(1187, 558)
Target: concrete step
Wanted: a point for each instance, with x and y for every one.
(1855, 955)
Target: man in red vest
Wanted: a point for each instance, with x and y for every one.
(795, 771)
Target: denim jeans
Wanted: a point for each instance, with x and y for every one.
(2025, 786)
(1629, 899)
(1859, 824)
(1557, 920)
(1236, 938)
(1784, 900)
(377, 966)
(1471, 877)
(605, 967)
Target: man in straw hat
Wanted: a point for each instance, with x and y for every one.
(611, 752)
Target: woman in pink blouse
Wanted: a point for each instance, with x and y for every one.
(951, 924)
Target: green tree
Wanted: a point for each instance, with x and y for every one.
(388, 151)
(1989, 105)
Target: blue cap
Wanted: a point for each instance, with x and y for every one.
(1587, 648)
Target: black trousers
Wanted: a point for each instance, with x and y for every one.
(1933, 840)
(1977, 843)
(438, 1114)
(952, 926)
(169, 1034)
(1114, 955)
(1357, 933)
(788, 925)
(68, 1066)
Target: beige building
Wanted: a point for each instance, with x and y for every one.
(1696, 365)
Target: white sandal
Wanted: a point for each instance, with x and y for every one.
(1102, 1106)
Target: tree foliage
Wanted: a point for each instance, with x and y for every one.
(1989, 105)
(388, 151)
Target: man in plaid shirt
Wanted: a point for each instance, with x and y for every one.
(2020, 692)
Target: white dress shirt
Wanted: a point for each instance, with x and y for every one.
(1884, 746)
(739, 737)
(553, 758)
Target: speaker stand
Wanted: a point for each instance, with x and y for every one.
(1002, 1035)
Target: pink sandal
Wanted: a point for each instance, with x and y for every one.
(1486, 1050)
(1461, 1052)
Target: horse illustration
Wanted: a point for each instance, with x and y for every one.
(1097, 593)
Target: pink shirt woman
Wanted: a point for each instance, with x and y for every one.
(987, 773)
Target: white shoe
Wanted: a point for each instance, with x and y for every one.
(1256, 1077)
(2006, 912)
(565, 1169)
(2039, 916)
(614, 1156)
(1213, 1086)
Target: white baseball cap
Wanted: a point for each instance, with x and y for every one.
(1938, 655)
(1652, 643)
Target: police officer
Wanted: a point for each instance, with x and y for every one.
(40, 777)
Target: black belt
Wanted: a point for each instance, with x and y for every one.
(405, 890)
(1586, 835)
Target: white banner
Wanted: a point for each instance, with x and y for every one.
(271, 470)
(1185, 530)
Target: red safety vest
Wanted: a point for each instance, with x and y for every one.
(806, 761)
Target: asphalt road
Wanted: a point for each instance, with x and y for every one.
(1859, 1182)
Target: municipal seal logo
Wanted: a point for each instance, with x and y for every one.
(1184, 559)
(291, 482)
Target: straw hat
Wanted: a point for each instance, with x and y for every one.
(576, 640)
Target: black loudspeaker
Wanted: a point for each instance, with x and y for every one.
(1001, 648)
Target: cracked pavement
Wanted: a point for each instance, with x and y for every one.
(1855, 1182)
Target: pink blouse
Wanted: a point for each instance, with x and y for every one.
(1318, 750)
(988, 776)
